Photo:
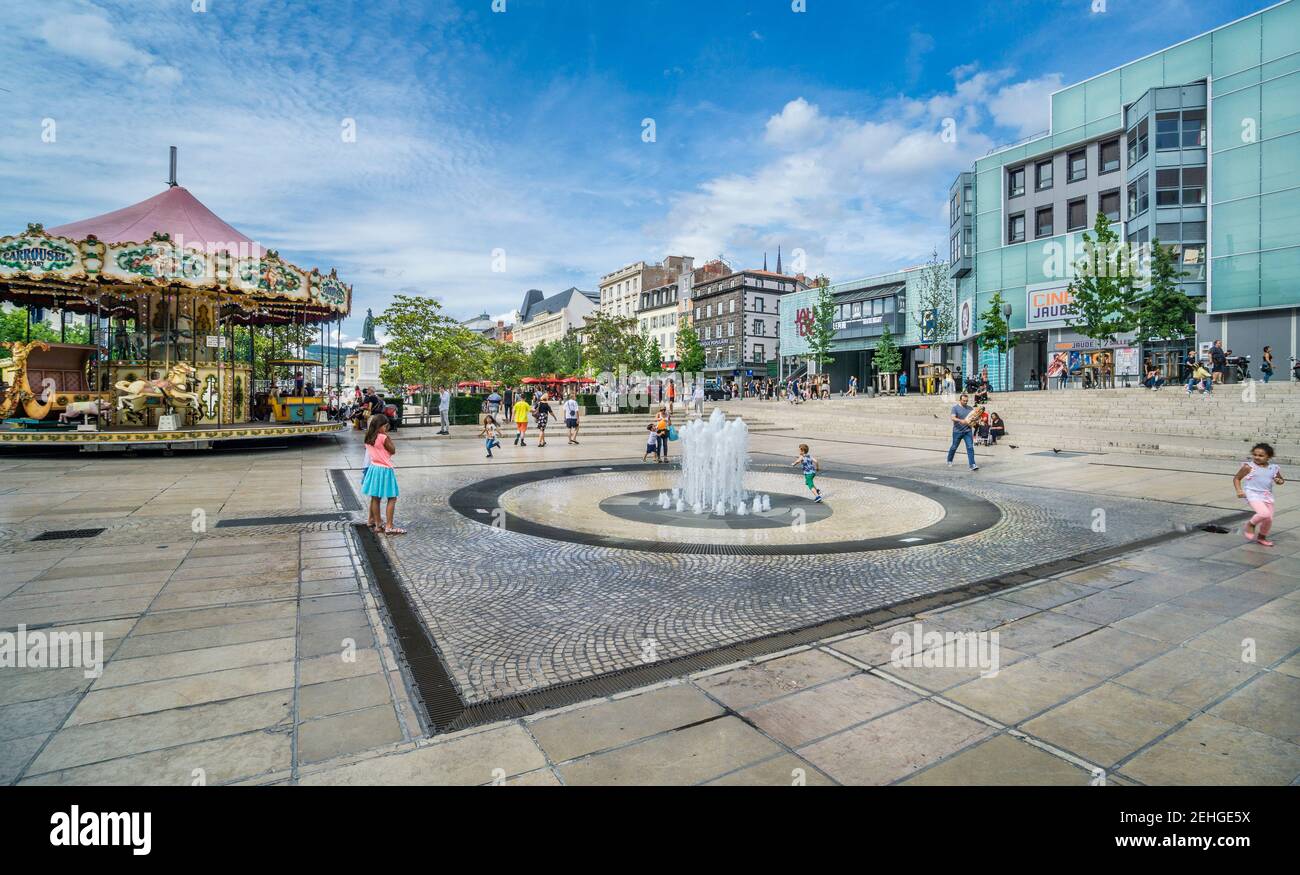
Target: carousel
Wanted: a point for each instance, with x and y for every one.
(177, 303)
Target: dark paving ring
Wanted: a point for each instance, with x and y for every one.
(963, 515)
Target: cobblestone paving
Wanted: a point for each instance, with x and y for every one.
(513, 613)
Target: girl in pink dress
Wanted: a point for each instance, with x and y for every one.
(380, 481)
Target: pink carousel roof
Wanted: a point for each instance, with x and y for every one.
(174, 211)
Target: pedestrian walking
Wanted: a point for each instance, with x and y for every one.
(697, 395)
(521, 410)
(1254, 483)
(542, 414)
(1266, 366)
(571, 417)
(1218, 362)
(961, 431)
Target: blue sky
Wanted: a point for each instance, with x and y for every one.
(523, 130)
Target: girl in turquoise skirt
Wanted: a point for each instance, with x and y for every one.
(380, 480)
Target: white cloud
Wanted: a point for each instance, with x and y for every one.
(797, 122)
(84, 31)
(1025, 107)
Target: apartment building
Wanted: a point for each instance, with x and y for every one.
(737, 317)
(620, 291)
(545, 319)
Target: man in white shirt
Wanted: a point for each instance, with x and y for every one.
(444, 408)
(571, 418)
(698, 397)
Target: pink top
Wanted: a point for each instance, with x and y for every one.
(175, 211)
(378, 453)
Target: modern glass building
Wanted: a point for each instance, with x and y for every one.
(863, 309)
(1197, 145)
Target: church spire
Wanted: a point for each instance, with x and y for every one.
(778, 258)
(764, 261)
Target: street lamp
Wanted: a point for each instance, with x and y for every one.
(1006, 355)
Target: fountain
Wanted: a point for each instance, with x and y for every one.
(715, 454)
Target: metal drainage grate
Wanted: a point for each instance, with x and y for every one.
(442, 703)
(283, 520)
(343, 488)
(62, 534)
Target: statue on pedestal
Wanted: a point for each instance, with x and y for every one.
(368, 329)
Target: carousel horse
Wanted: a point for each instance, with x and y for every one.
(172, 389)
(20, 393)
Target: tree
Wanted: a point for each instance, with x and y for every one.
(822, 333)
(568, 354)
(1104, 294)
(888, 359)
(1164, 312)
(936, 302)
(655, 357)
(425, 346)
(611, 341)
(690, 352)
(542, 359)
(994, 333)
(507, 363)
(13, 326)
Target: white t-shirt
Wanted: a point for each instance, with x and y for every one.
(571, 409)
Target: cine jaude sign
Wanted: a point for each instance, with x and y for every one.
(1048, 306)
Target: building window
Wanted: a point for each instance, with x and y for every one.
(1137, 143)
(968, 202)
(1043, 175)
(1167, 130)
(1168, 192)
(708, 311)
(697, 313)
(731, 329)
(1016, 228)
(1076, 214)
(856, 312)
(1108, 154)
(1016, 182)
(1078, 165)
(1193, 128)
(954, 249)
(760, 304)
(731, 306)
(1043, 222)
(1137, 197)
(1193, 186)
(1108, 204)
(954, 208)
(760, 354)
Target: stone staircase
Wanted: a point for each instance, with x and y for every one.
(1138, 421)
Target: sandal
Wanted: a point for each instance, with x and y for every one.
(1264, 542)
(394, 530)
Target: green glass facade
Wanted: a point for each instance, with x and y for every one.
(1250, 72)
